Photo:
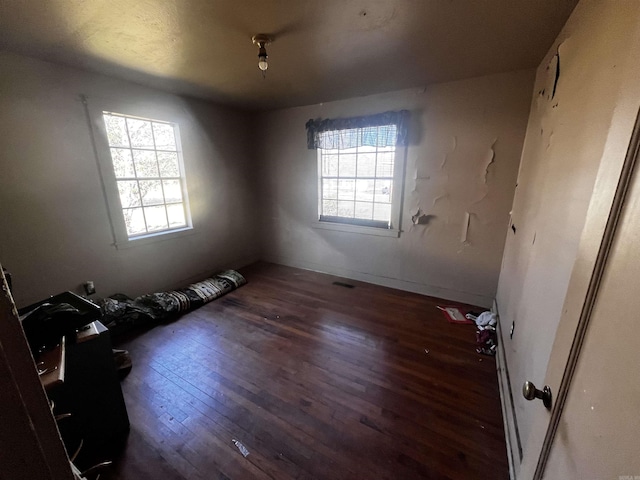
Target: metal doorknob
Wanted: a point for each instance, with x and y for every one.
(529, 391)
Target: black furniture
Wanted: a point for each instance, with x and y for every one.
(91, 391)
(86, 394)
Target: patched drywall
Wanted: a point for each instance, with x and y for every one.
(55, 231)
(461, 165)
(576, 96)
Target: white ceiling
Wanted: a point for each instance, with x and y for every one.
(323, 49)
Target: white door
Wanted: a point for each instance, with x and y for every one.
(586, 99)
(598, 433)
(593, 428)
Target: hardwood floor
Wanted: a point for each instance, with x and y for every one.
(316, 381)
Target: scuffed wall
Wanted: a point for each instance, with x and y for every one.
(465, 144)
(576, 94)
(54, 228)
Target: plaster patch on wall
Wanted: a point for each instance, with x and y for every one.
(552, 76)
(483, 189)
(478, 219)
(438, 198)
(557, 73)
(416, 216)
(413, 212)
(414, 179)
(465, 227)
(420, 218)
(484, 195)
(469, 215)
(489, 159)
(418, 177)
(454, 145)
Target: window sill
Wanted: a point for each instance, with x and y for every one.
(154, 238)
(345, 227)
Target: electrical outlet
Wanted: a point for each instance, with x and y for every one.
(89, 287)
(513, 326)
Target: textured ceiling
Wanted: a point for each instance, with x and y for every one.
(323, 49)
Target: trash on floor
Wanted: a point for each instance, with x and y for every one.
(486, 319)
(455, 315)
(473, 315)
(485, 322)
(241, 447)
(487, 340)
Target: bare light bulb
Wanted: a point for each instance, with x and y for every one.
(262, 58)
(261, 41)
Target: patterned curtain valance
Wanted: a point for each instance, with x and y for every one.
(380, 130)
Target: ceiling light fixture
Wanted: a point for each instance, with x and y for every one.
(262, 40)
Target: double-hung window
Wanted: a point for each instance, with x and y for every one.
(359, 170)
(356, 184)
(149, 174)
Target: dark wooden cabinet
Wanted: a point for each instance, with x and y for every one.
(91, 393)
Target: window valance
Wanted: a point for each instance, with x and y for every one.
(379, 130)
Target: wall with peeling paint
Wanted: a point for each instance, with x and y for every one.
(465, 145)
(53, 219)
(576, 96)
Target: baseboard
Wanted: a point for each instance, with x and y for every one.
(512, 436)
(415, 287)
(233, 264)
(242, 262)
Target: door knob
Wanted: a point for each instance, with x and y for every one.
(529, 391)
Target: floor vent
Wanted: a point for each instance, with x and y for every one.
(345, 285)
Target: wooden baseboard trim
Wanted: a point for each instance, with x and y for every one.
(514, 448)
(409, 286)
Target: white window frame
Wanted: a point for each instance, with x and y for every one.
(95, 111)
(397, 195)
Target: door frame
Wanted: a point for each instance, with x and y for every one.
(30, 443)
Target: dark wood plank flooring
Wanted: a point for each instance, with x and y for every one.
(317, 381)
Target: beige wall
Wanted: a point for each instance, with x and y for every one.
(53, 217)
(454, 127)
(54, 229)
(565, 146)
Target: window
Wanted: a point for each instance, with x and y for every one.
(149, 175)
(356, 184)
(360, 171)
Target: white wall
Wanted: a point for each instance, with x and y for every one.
(54, 229)
(455, 130)
(53, 217)
(565, 147)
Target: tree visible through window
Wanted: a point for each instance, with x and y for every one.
(146, 160)
(356, 184)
